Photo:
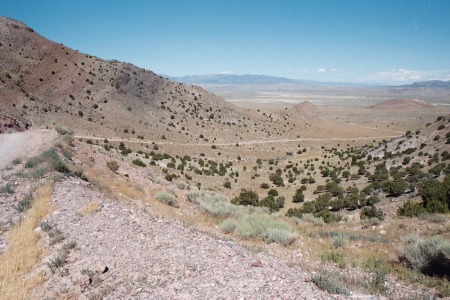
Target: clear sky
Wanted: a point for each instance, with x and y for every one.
(393, 41)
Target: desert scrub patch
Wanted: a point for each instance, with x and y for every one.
(25, 203)
(336, 257)
(213, 203)
(183, 185)
(430, 256)
(90, 208)
(32, 162)
(7, 188)
(112, 165)
(330, 282)
(341, 241)
(16, 161)
(434, 218)
(260, 225)
(311, 219)
(38, 173)
(25, 249)
(59, 259)
(167, 198)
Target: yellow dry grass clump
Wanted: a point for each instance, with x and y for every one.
(90, 208)
(24, 250)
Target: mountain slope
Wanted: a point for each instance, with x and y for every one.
(44, 83)
(429, 84)
(237, 79)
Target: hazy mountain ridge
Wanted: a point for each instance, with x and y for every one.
(429, 84)
(250, 79)
(236, 79)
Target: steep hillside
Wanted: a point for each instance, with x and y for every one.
(45, 83)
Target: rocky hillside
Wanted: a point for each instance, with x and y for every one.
(45, 83)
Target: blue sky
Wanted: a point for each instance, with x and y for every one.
(394, 42)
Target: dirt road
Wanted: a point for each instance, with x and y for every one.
(253, 142)
(23, 144)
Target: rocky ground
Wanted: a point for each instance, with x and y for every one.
(134, 254)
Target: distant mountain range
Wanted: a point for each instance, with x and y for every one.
(429, 84)
(251, 79)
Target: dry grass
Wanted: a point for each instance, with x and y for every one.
(25, 250)
(114, 185)
(90, 208)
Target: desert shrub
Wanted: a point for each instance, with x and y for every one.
(396, 188)
(340, 240)
(330, 282)
(246, 197)
(264, 185)
(138, 162)
(328, 216)
(335, 257)
(16, 161)
(251, 225)
(112, 165)
(411, 209)
(32, 162)
(269, 202)
(272, 192)
(213, 203)
(430, 256)
(7, 189)
(276, 179)
(183, 186)
(167, 198)
(434, 218)
(310, 218)
(60, 166)
(227, 184)
(298, 196)
(371, 212)
(25, 203)
(433, 189)
(294, 212)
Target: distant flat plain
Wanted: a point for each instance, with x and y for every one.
(349, 104)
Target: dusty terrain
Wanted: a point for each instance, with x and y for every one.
(133, 149)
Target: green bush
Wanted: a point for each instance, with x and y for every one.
(264, 185)
(273, 192)
(371, 212)
(411, 209)
(276, 179)
(246, 197)
(298, 197)
(272, 203)
(138, 162)
(396, 188)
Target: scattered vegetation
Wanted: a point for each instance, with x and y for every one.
(167, 198)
